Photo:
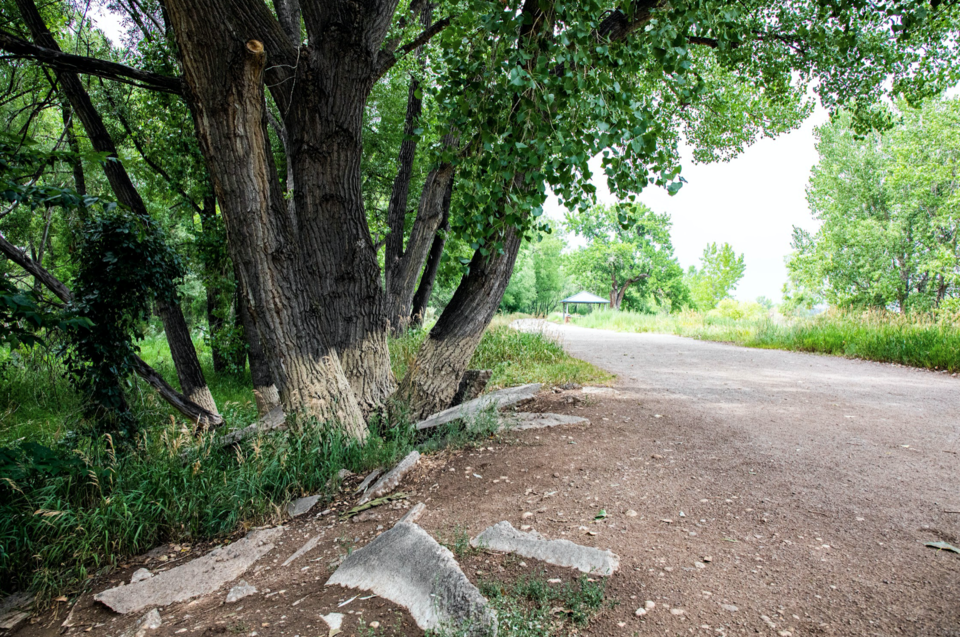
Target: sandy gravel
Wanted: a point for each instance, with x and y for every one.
(746, 492)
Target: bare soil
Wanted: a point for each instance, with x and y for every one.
(745, 491)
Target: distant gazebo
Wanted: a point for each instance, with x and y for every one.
(582, 298)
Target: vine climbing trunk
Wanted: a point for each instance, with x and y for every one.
(184, 355)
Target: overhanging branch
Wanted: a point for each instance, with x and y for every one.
(59, 60)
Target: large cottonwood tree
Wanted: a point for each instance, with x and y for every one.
(524, 95)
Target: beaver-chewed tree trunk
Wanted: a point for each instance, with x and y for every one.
(264, 390)
(435, 374)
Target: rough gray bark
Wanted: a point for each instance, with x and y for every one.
(189, 372)
(184, 355)
(264, 390)
(422, 298)
(435, 374)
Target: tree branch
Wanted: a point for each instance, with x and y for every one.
(392, 57)
(178, 401)
(89, 66)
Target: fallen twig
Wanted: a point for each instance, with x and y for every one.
(371, 504)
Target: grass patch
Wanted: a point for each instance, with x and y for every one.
(516, 358)
(918, 340)
(532, 607)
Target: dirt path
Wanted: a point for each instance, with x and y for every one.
(758, 492)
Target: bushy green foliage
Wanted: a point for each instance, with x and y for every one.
(629, 255)
(720, 271)
(889, 204)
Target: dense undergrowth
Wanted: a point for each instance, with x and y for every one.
(918, 340)
(72, 505)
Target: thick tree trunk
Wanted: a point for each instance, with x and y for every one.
(435, 374)
(184, 357)
(192, 383)
(264, 390)
(425, 289)
(224, 74)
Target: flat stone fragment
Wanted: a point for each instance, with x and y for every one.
(407, 566)
(370, 478)
(273, 419)
(198, 577)
(414, 513)
(503, 537)
(497, 400)
(600, 390)
(14, 611)
(301, 505)
(139, 575)
(526, 420)
(241, 590)
(312, 542)
(334, 621)
(392, 478)
(150, 621)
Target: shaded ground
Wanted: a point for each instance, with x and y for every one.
(774, 493)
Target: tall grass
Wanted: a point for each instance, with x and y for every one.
(918, 340)
(80, 505)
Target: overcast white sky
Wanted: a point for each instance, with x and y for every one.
(751, 202)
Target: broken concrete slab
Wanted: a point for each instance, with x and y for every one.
(150, 621)
(496, 400)
(306, 548)
(302, 505)
(370, 478)
(334, 621)
(414, 513)
(139, 575)
(15, 611)
(198, 577)
(472, 384)
(392, 478)
(241, 590)
(407, 566)
(610, 391)
(527, 420)
(506, 539)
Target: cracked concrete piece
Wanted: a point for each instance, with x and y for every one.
(370, 478)
(273, 419)
(198, 577)
(139, 575)
(504, 538)
(241, 590)
(414, 513)
(302, 505)
(150, 621)
(407, 566)
(497, 400)
(14, 611)
(392, 478)
(334, 621)
(312, 542)
(526, 420)
(600, 390)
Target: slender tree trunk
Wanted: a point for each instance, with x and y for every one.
(192, 383)
(184, 355)
(425, 289)
(79, 181)
(214, 291)
(264, 390)
(435, 374)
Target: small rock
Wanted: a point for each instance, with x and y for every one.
(139, 575)
(150, 621)
(640, 612)
(729, 607)
(649, 604)
(343, 474)
(707, 559)
(526, 515)
(334, 621)
(700, 565)
(785, 633)
(656, 456)
(241, 590)
(677, 611)
(526, 527)
(631, 513)
(302, 505)
(374, 624)
(554, 581)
